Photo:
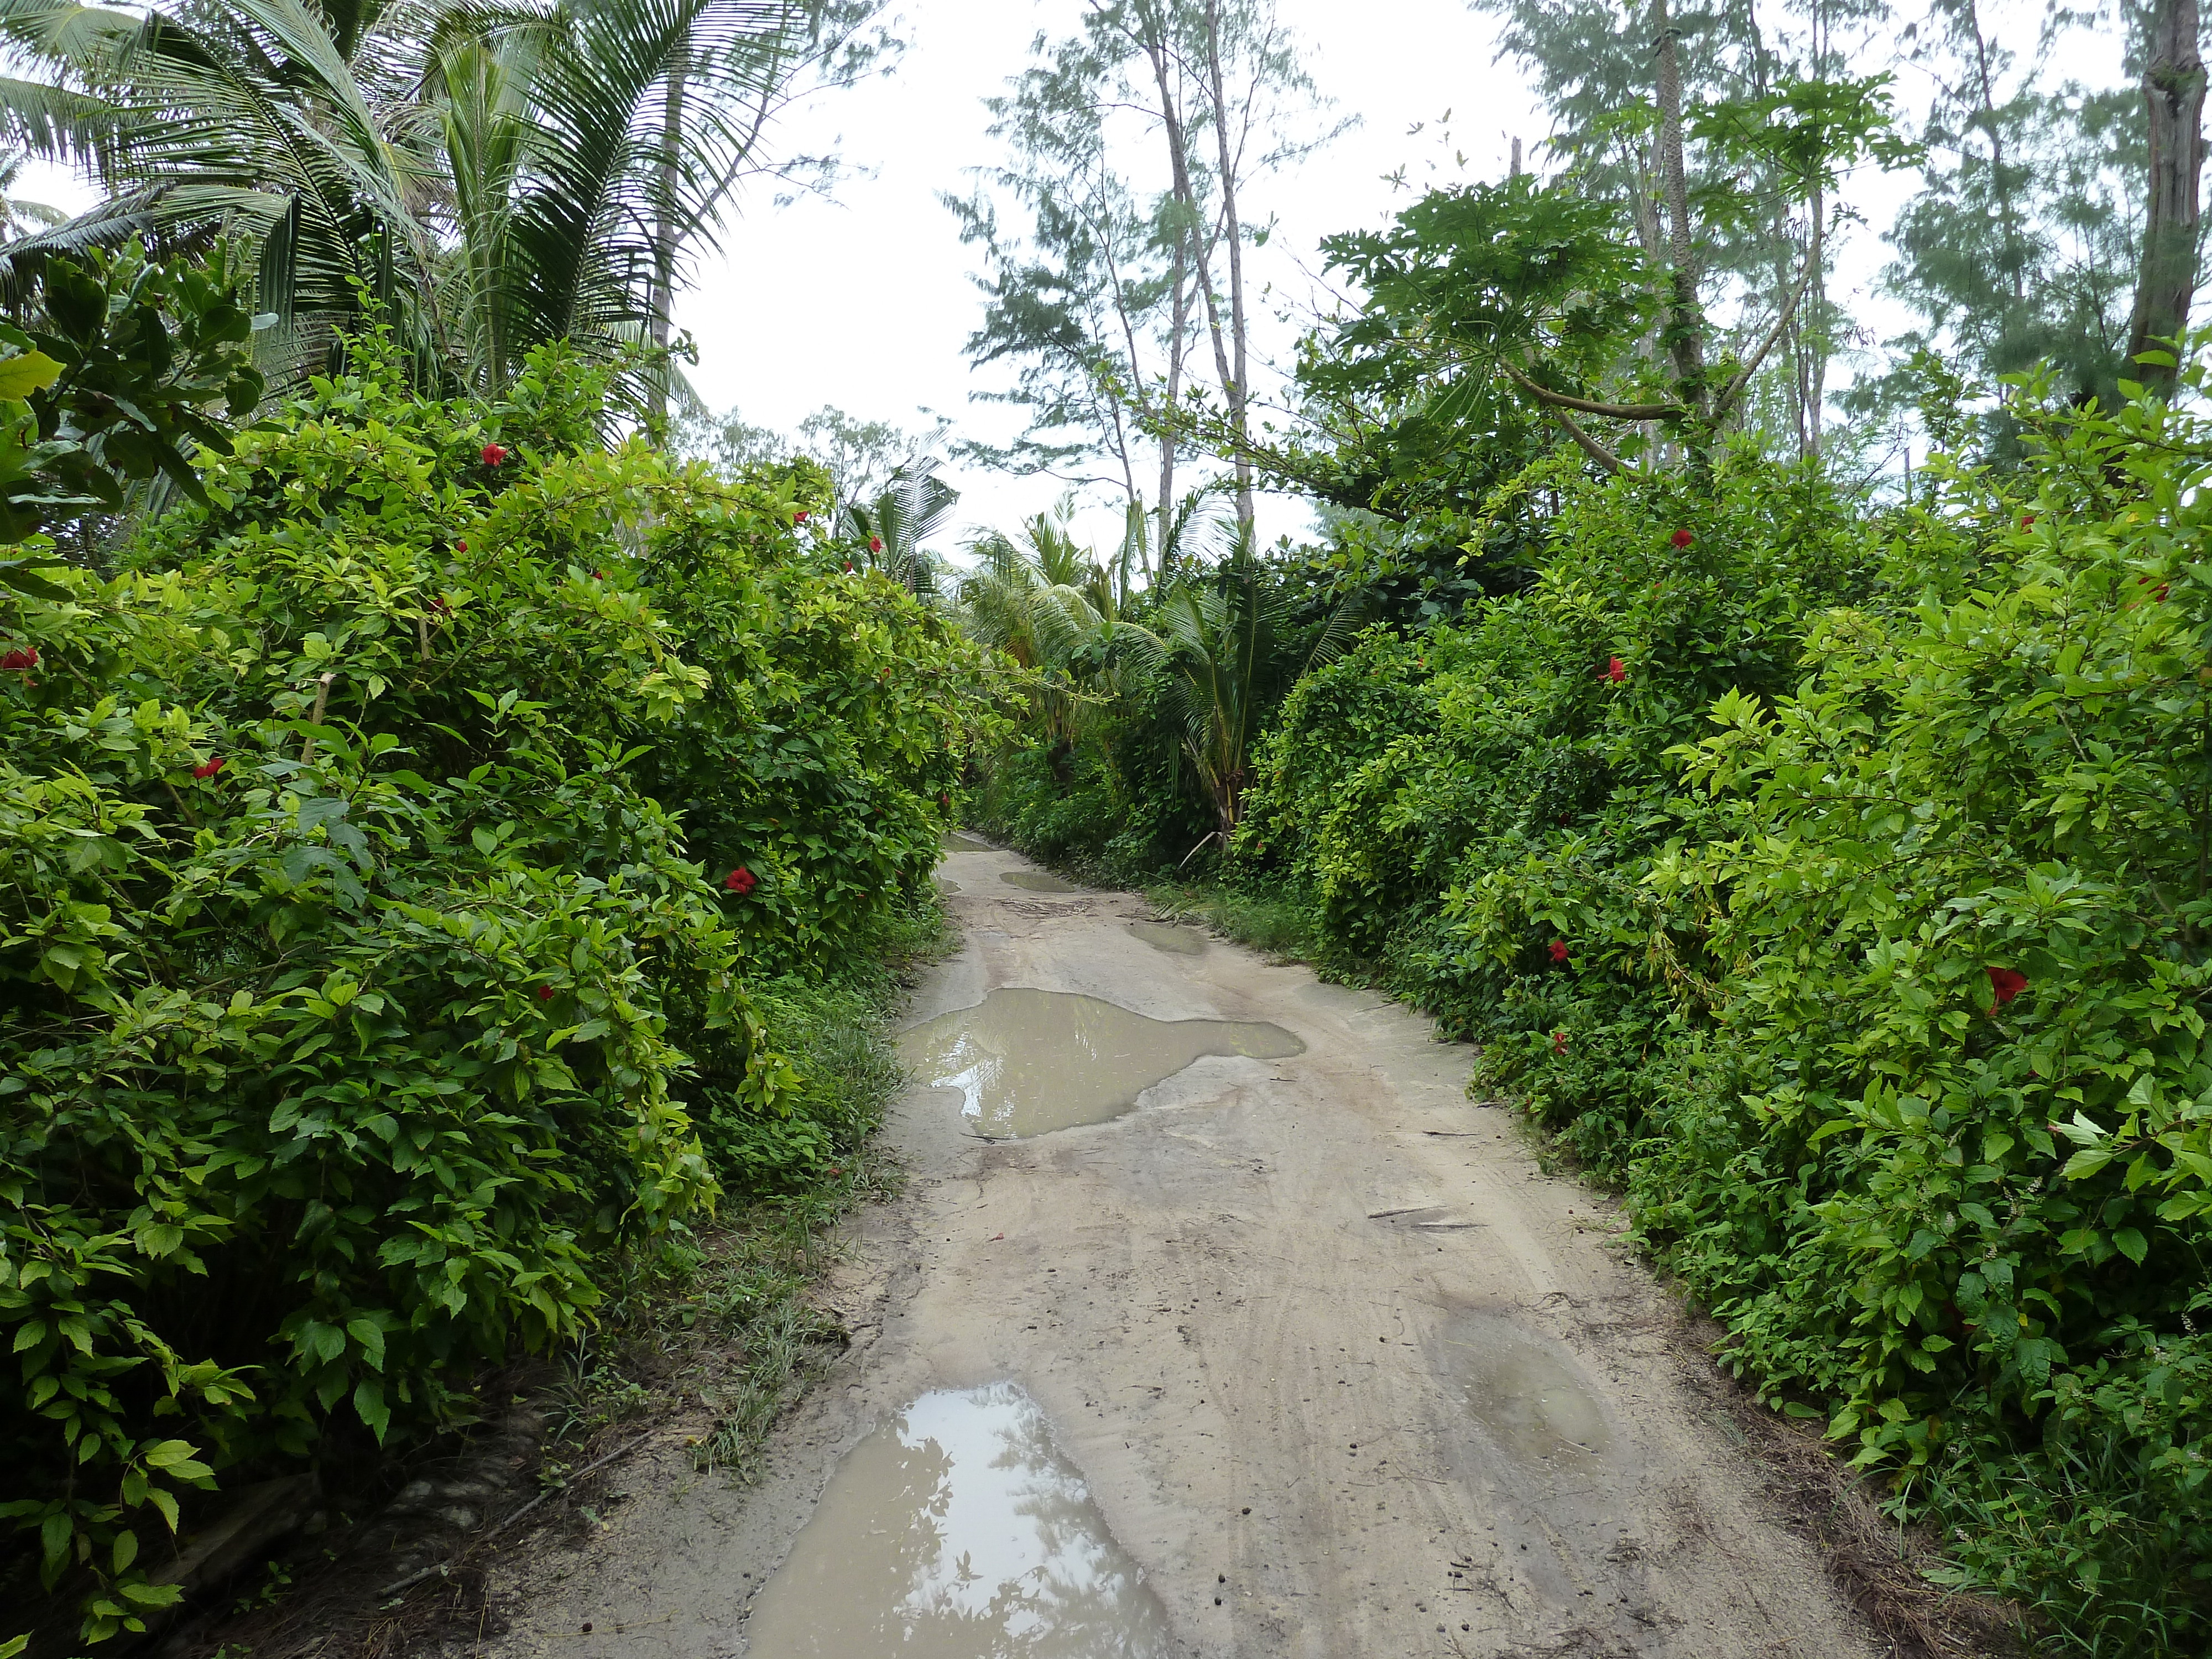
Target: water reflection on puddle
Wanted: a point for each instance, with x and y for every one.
(1165, 936)
(1529, 1396)
(1036, 881)
(958, 1531)
(1028, 1061)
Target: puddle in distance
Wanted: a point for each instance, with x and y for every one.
(1036, 881)
(960, 841)
(1165, 936)
(1028, 1061)
(1530, 1398)
(945, 886)
(958, 1531)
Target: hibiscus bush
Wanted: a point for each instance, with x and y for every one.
(1837, 881)
(384, 854)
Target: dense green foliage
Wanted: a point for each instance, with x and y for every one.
(1835, 881)
(387, 852)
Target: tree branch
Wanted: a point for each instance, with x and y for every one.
(1591, 447)
(1726, 400)
(1559, 400)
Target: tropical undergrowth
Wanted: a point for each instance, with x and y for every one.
(434, 857)
(1832, 879)
(726, 1314)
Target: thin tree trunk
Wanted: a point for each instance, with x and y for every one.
(1816, 312)
(2173, 89)
(1686, 323)
(1155, 49)
(2015, 254)
(664, 237)
(1654, 239)
(1178, 336)
(1234, 390)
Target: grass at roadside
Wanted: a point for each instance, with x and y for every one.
(1273, 926)
(727, 1316)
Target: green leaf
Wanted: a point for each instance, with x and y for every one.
(26, 373)
(369, 1401)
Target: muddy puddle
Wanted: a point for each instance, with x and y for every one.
(1165, 936)
(1028, 1061)
(960, 841)
(1528, 1396)
(1036, 881)
(958, 1531)
(945, 886)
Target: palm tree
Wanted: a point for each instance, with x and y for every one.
(1221, 640)
(1225, 639)
(17, 216)
(1037, 600)
(912, 506)
(494, 175)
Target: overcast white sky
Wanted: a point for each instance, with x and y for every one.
(863, 300)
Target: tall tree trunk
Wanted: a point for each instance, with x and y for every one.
(2173, 89)
(1178, 336)
(1686, 321)
(1234, 390)
(1156, 47)
(1643, 163)
(665, 234)
(1815, 313)
(2000, 179)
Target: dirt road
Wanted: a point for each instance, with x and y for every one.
(1301, 1356)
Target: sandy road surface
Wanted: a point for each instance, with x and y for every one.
(1345, 1374)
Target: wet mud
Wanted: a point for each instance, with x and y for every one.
(1302, 1357)
(1036, 881)
(1027, 1062)
(1166, 936)
(959, 1530)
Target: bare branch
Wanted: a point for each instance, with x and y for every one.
(1544, 394)
(1726, 400)
(1591, 447)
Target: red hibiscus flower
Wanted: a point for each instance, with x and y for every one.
(22, 660)
(875, 543)
(740, 881)
(1558, 950)
(2027, 521)
(460, 547)
(545, 994)
(1614, 670)
(494, 454)
(799, 517)
(208, 768)
(2005, 984)
(1558, 1042)
(1681, 538)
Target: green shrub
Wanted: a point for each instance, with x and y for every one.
(1859, 929)
(364, 995)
